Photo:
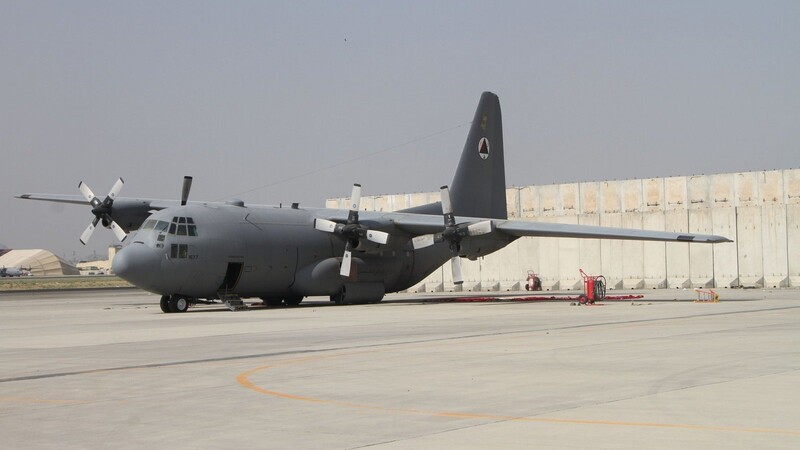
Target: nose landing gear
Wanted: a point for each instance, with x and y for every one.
(174, 303)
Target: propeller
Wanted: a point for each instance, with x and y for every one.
(187, 186)
(102, 211)
(453, 234)
(352, 230)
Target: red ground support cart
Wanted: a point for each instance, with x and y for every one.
(533, 283)
(594, 288)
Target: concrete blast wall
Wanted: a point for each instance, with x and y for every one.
(760, 211)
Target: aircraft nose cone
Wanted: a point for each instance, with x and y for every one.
(138, 265)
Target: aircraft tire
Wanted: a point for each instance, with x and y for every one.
(338, 298)
(293, 301)
(165, 304)
(272, 302)
(178, 304)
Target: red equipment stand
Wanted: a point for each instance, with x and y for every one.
(594, 288)
(533, 283)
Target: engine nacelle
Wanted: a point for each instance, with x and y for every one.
(367, 246)
(360, 293)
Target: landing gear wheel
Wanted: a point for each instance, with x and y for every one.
(338, 299)
(272, 302)
(165, 304)
(293, 301)
(178, 304)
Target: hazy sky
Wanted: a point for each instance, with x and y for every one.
(244, 95)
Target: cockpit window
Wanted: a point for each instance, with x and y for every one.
(161, 225)
(148, 224)
(183, 226)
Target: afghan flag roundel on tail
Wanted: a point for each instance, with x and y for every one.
(483, 148)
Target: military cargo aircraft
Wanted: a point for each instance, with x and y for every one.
(194, 252)
(14, 271)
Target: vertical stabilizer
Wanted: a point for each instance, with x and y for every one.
(479, 185)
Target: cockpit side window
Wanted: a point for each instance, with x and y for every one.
(161, 225)
(148, 224)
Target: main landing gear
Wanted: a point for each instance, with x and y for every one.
(274, 302)
(174, 303)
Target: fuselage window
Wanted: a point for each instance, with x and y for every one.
(179, 251)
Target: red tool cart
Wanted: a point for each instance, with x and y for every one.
(594, 288)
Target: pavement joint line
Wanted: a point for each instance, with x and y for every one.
(384, 344)
(28, 400)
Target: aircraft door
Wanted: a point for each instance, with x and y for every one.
(232, 276)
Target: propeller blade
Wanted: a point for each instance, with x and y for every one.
(347, 259)
(118, 232)
(378, 237)
(325, 225)
(418, 242)
(187, 186)
(458, 277)
(355, 198)
(477, 229)
(87, 193)
(112, 194)
(87, 234)
(447, 206)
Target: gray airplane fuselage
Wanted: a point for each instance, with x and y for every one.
(266, 253)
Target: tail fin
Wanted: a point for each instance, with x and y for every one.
(479, 185)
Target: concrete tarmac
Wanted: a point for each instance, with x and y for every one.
(107, 369)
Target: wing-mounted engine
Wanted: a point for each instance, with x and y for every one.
(358, 235)
(453, 234)
(102, 210)
(120, 216)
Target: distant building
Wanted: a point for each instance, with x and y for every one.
(99, 266)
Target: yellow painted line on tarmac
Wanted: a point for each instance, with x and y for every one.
(244, 380)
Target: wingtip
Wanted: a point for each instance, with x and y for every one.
(719, 240)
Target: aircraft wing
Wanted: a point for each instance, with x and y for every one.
(521, 228)
(121, 202)
(421, 224)
(57, 198)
